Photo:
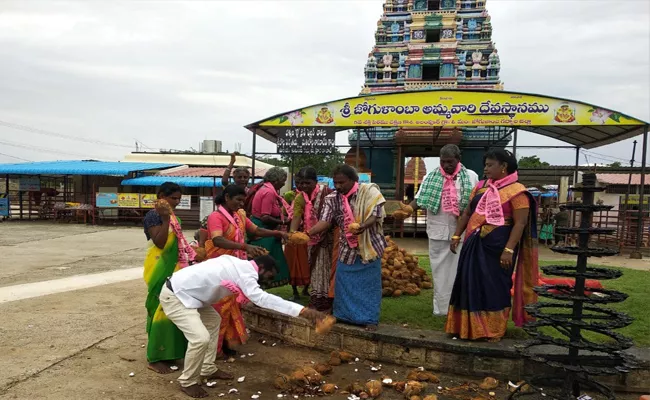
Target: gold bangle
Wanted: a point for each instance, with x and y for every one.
(510, 251)
(455, 237)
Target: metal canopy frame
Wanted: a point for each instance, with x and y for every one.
(578, 136)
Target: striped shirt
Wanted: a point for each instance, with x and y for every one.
(333, 213)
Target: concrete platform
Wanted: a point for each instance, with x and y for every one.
(433, 350)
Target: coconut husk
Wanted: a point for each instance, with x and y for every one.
(386, 292)
(412, 375)
(427, 285)
(373, 388)
(397, 293)
(415, 398)
(385, 273)
(411, 292)
(298, 238)
(431, 397)
(400, 215)
(328, 388)
(323, 369)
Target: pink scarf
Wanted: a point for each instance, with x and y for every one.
(490, 204)
(185, 252)
(283, 202)
(236, 290)
(310, 219)
(233, 219)
(449, 195)
(348, 216)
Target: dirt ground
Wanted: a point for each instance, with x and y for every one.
(84, 343)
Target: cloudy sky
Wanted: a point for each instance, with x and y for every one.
(170, 74)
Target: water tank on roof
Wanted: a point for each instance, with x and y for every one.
(211, 146)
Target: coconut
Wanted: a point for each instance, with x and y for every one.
(328, 388)
(298, 377)
(431, 397)
(397, 293)
(373, 388)
(281, 382)
(323, 369)
(399, 386)
(201, 255)
(355, 388)
(399, 214)
(413, 388)
(334, 361)
(415, 398)
(346, 357)
(312, 375)
(298, 238)
(354, 227)
(325, 325)
(387, 292)
(489, 383)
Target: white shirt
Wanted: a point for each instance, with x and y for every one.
(199, 285)
(442, 226)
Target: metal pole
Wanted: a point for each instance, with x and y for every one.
(358, 143)
(639, 229)
(514, 144)
(627, 198)
(253, 160)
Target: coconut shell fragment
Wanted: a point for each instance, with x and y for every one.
(281, 382)
(325, 325)
(346, 357)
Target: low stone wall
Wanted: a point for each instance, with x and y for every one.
(432, 350)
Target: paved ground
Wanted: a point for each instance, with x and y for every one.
(71, 306)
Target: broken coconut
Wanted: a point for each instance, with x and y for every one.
(373, 388)
(355, 388)
(346, 357)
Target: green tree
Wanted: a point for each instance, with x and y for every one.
(615, 164)
(532, 162)
(324, 164)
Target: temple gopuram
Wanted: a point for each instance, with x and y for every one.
(424, 45)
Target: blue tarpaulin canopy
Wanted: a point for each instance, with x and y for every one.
(184, 181)
(80, 167)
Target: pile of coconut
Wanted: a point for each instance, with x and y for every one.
(400, 272)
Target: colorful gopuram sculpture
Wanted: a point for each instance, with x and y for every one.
(423, 45)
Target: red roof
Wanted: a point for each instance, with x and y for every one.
(621, 179)
(204, 171)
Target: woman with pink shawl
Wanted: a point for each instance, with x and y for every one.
(500, 229)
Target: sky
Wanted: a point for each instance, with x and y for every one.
(87, 79)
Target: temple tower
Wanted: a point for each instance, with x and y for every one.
(423, 45)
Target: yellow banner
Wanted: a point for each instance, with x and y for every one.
(450, 108)
(147, 200)
(128, 200)
(633, 200)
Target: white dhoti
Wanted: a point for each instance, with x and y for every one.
(444, 264)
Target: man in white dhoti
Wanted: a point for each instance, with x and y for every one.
(187, 298)
(444, 194)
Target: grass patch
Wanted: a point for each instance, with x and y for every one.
(416, 311)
